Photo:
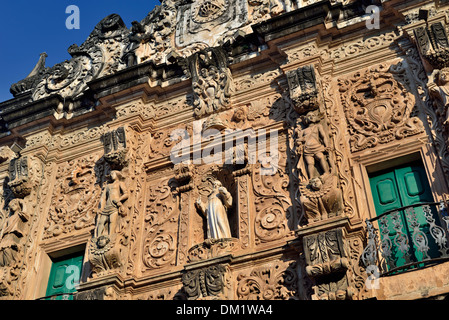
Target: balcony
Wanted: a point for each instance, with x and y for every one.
(408, 238)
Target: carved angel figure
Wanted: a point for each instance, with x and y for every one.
(13, 231)
(311, 145)
(215, 211)
(111, 205)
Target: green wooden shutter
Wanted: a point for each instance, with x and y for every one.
(399, 187)
(64, 276)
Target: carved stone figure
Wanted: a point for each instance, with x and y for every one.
(135, 37)
(312, 144)
(13, 231)
(321, 198)
(439, 89)
(215, 211)
(111, 206)
(104, 247)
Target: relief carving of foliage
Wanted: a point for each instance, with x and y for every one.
(161, 227)
(272, 282)
(75, 197)
(337, 128)
(273, 206)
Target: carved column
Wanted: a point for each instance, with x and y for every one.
(109, 237)
(311, 149)
(428, 32)
(20, 196)
(184, 176)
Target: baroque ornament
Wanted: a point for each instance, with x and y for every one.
(378, 107)
(209, 283)
(433, 44)
(161, 227)
(98, 56)
(198, 20)
(212, 81)
(273, 282)
(303, 89)
(327, 263)
(74, 197)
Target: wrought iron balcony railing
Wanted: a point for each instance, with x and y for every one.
(407, 238)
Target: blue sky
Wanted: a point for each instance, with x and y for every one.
(28, 28)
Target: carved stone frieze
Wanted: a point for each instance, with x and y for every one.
(378, 107)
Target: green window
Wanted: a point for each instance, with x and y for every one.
(64, 277)
(403, 232)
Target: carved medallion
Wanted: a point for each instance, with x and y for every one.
(209, 10)
(378, 107)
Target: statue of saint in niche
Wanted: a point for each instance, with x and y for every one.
(312, 144)
(13, 231)
(216, 211)
(111, 205)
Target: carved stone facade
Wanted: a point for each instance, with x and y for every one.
(223, 149)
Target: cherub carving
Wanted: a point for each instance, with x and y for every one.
(311, 145)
